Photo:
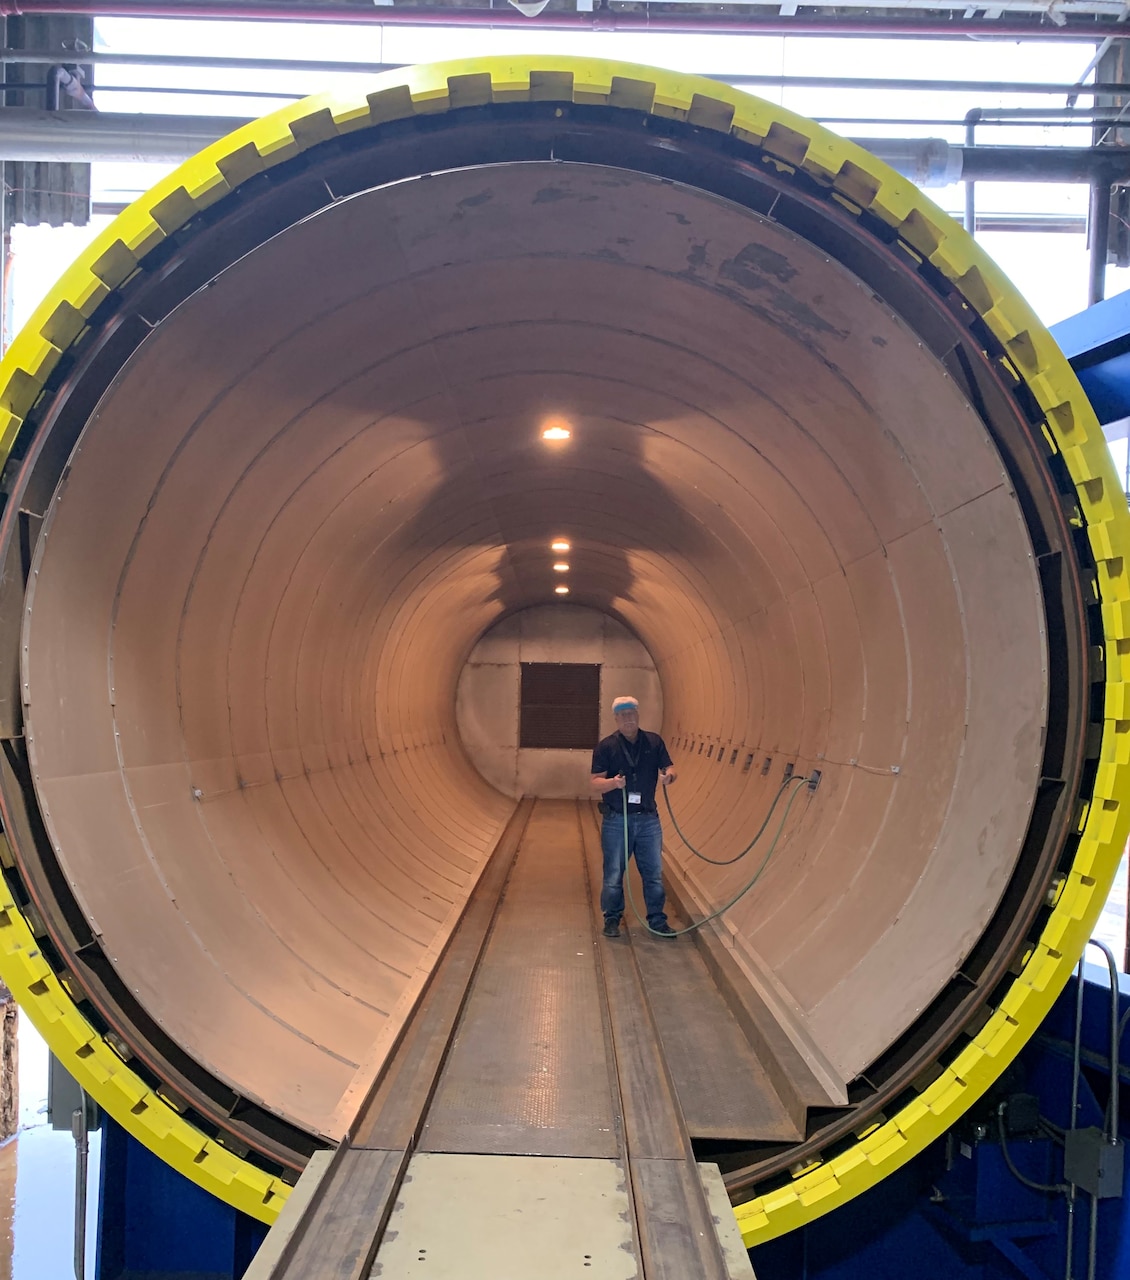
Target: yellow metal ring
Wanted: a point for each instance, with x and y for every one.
(862, 183)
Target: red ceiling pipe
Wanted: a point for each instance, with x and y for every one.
(683, 24)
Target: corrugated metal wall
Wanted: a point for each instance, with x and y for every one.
(35, 193)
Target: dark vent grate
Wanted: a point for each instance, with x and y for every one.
(560, 705)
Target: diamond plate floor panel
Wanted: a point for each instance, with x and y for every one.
(529, 1072)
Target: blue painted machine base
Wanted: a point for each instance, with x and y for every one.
(955, 1213)
(153, 1224)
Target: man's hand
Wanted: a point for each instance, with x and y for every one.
(602, 786)
(667, 777)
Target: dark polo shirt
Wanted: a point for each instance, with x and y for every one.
(639, 762)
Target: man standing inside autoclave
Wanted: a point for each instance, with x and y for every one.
(627, 766)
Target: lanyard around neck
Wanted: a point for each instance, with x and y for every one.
(633, 760)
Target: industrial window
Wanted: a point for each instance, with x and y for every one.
(560, 705)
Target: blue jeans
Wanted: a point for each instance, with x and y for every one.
(645, 841)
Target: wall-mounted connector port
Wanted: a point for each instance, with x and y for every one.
(814, 779)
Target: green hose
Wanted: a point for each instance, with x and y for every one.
(727, 862)
(795, 782)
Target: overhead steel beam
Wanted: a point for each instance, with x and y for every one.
(1064, 27)
(337, 67)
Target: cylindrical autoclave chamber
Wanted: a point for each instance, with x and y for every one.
(275, 463)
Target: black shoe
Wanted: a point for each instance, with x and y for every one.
(664, 930)
(612, 928)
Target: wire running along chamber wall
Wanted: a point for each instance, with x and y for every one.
(276, 466)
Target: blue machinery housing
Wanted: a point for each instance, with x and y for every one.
(958, 1210)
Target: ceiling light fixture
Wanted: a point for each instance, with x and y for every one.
(559, 545)
(561, 567)
(562, 591)
(556, 430)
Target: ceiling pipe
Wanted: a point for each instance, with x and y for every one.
(336, 67)
(688, 24)
(61, 80)
(30, 134)
(970, 219)
(1098, 227)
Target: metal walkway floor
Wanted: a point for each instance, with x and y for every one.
(530, 1071)
(536, 1116)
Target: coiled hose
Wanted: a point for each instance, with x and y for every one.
(794, 783)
